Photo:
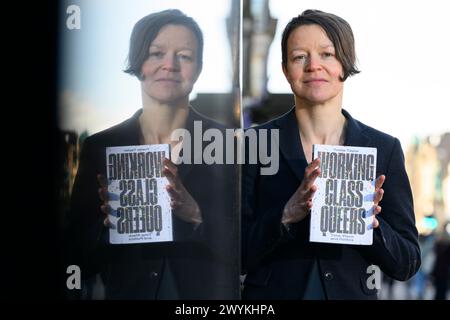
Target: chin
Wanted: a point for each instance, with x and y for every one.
(320, 101)
(169, 100)
(315, 100)
(318, 98)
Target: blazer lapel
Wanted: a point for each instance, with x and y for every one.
(289, 143)
(185, 169)
(354, 136)
(133, 138)
(291, 147)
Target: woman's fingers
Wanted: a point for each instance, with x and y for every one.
(312, 171)
(375, 223)
(103, 194)
(173, 180)
(103, 190)
(175, 204)
(308, 198)
(379, 192)
(173, 193)
(170, 166)
(102, 181)
(308, 182)
(378, 196)
(379, 182)
(376, 210)
(309, 193)
(175, 187)
(107, 223)
(170, 171)
(106, 209)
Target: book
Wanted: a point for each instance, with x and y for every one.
(139, 202)
(342, 210)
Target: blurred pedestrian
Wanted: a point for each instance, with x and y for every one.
(441, 271)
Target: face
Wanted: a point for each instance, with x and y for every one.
(171, 69)
(312, 69)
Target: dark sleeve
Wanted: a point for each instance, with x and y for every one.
(215, 189)
(262, 230)
(221, 229)
(85, 236)
(395, 246)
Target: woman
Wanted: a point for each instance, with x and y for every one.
(318, 54)
(166, 56)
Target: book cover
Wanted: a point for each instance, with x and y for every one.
(140, 204)
(343, 203)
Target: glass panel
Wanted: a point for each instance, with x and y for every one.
(170, 230)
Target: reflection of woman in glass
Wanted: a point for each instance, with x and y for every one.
(166, 56)
(317, 56)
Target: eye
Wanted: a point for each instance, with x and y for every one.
(300, 57)
(157, 54)
(185, 57)
(327, 54)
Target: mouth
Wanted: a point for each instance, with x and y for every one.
(170, 80)
(316, 80)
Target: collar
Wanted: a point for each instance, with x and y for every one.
(291, 147)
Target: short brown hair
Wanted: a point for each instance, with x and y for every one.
(336, 28)
(147, 29)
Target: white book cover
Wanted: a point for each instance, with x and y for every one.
(139, 202)
(342, 210)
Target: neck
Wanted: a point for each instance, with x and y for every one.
(158, 121)
(320, 123)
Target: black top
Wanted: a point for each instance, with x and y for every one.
(279, 262)
(203, 263)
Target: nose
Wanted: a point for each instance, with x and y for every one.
(170, 63)
(313, 63)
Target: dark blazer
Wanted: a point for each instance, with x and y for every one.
(204, 263)
(278, 262)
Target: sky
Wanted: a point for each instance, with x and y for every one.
(402, 48)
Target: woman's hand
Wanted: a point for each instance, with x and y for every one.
(377, 198)
(300, 204)
(103, 194)
(182, 203)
